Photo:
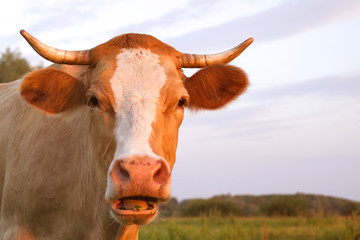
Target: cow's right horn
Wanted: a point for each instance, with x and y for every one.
(56, 55)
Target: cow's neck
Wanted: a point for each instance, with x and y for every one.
(130, 232)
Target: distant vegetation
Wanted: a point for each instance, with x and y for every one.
(307, 205)
(13, 66)
(268, 217)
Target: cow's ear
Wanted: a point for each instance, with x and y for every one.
(52, 90)
(214, 86)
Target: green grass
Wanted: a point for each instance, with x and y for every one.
(253, 228)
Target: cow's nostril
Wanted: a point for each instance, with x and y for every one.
(161, 175)
(157, 173)
(124, 174)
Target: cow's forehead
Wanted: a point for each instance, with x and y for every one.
(132, 72)
(137, 79)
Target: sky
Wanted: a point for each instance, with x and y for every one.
(296, 129)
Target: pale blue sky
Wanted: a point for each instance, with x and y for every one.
(297, 129)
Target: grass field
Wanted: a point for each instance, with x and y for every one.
(253, 228)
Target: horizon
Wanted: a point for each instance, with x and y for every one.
(265, 195)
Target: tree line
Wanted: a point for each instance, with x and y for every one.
(307, 205)
(13, 66)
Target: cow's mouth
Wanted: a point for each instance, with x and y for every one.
(135, 210)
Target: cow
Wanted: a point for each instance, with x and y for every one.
(88, 144)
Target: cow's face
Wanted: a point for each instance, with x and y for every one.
(135, 93)
(137, 99)
(141, 93)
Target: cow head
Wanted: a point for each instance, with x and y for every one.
(135, 92)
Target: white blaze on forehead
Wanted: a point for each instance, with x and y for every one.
(136, 84)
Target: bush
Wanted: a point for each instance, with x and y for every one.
(13, 66)
(211, 206)
(170, 209)
(348, 208)
(286, 206)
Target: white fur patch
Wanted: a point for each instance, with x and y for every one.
(136, 84)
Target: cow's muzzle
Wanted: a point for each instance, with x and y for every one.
(135, 187)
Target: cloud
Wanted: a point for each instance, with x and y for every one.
(284, 20)
(78, 21)
(330, 87)
(196, 15)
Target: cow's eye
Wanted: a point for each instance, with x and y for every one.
(182, 102)
(93, 102)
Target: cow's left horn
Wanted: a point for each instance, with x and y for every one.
(198, 61)
(56, 55)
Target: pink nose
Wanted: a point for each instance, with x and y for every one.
(141, 176)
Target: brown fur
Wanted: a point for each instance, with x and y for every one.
(52, 90)
(215, 86)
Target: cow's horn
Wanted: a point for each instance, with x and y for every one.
(56, 55)
(198, 60)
